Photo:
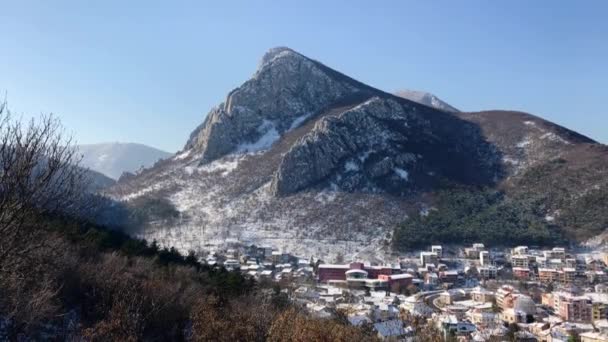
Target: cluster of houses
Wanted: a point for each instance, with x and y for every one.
(262, 263)
(555, 266)
(481, 314)
(474, 293)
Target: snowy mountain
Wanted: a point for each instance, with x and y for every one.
(312, 161)
(426, 99)
(113, 159)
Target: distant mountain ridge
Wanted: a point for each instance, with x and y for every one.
(426, 99)
(300, 156)
(113, 159)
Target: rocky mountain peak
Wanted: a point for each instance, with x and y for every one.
(280, 51)
(286, 90)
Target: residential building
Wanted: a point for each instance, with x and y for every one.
(437, 250)
(596, 276)
(482, 318)
(593, 336)
(520, 250)
(428, 258)
(522, 311)
(547, 275)
(375, 271)
(327, 272)
(570, 262)
(599, 311)
(521, 273)
(511, 316)
(451, 326)
(488, 272)
(548, 299)
(541, 262)
(431, 278)
(397, 282)
(473, 252)
(390, 330)
(484, 258)
(481, 295)
(573, 308)
(520, 261)
(448, 276)
(567, 275)
(504, 296)
(555, 253)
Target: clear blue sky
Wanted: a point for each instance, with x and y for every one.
(148, 72)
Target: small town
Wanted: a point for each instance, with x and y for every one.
(466, 294)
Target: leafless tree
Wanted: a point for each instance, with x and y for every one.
(39, 176)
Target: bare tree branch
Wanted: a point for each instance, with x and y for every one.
(39, 176)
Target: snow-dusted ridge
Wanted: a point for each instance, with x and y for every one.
(312, 162)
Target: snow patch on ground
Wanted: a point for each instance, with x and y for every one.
(326, 196)
(509, 160)
(143, 192)
(183, 155)
(298, 121)
(351, 166)
(363, 156)
(554, 137)
(549, 218)
(213, 214)
(402, 173)
(226, 165)
(359, 106)
(269, 137)
(524, 143)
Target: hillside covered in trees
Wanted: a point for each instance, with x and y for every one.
(64, 278)
(468, 215)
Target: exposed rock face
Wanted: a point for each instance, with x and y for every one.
(341, 146)
(285, 90)
(386, 145)
(361, 147)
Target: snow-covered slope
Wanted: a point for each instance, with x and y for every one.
(426, 99)
(304, 158)
(112, 159)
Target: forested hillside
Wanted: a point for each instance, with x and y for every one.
(64, 278)
(469, 215)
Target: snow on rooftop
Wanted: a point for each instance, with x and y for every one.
(401, 276)
(334, 266)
